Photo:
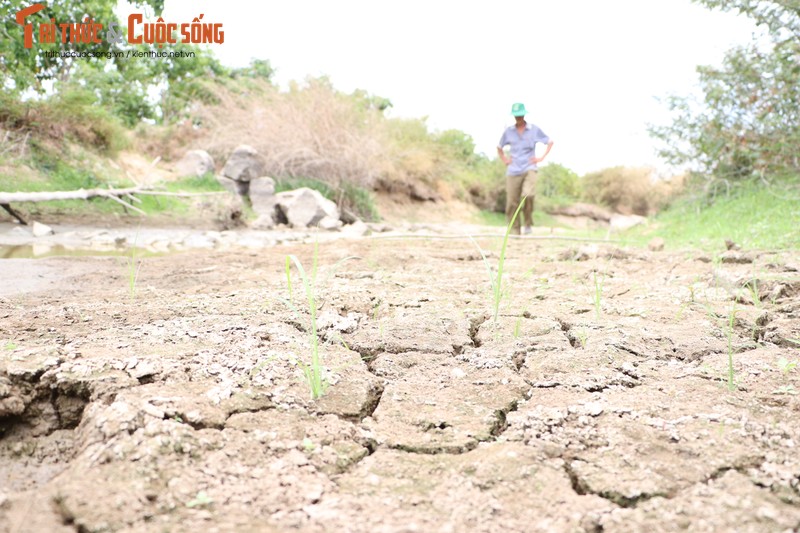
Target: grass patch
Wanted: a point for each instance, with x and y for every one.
(179, 206)
(751, 215)
(205, 183)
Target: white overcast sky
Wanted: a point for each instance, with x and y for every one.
(588, 71)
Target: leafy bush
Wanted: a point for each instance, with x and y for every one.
(68, 115)
(557, 181)
(746, 122)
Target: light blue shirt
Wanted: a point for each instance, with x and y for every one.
(522, 147)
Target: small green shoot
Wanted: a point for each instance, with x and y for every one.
(518, 327)
(786, 366)
(598, 293)
(312, 371)
(201, 500)
(308, 445)
(583, 336)
(752, 288)
(788, 390)
(496, 280)
(10, 346)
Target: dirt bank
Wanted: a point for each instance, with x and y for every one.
(598, 401)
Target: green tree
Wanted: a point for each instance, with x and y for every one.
(557, 181)
(24, 68)
(747, 121)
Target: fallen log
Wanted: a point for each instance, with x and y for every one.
(6, 198)
(80, 194)
(85, 194)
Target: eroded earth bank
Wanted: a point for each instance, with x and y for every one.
(598, 400)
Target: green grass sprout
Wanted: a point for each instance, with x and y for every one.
(496, 280)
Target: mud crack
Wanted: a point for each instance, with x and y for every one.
(436, 450)
(373, 399)
(622, 500)
(475, 324)
(500, 424)
(566, 327)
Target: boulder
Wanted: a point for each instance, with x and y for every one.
(356, 229)
(195, 163)
(41, 230)
(304, 207)
(263, 222)
(330, 223)
(238, 188)
(262, 196)
(623, 222)
(244, 164)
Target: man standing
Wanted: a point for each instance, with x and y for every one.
(521, 173)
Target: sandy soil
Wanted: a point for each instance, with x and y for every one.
(597, 401)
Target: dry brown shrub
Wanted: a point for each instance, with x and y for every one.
(310, 131)
(630, 190)
(170, 143)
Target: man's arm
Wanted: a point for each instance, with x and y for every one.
(501, 153)
(535, 159)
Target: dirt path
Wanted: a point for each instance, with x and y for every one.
(597, 402)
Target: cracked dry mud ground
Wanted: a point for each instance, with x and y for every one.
(182, 409)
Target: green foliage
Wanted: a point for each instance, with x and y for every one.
(257, 69)
(200, 500)
(124, 97)
(751, 215)
(457, 145)
(205, 183)
(496, 279)
(313, 370)
(314, 373)
(747, 122)
(786, 366)
(26, 69)
(71, 115)
(557, 181)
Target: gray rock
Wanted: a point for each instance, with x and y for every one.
(42, 230)
(198, 241)
(244, 164)
(305, 207)
(330, 223)
(239, 188)
(356, 229)
(262, 196)
(195, 163)
(263, 222)
(623, 222)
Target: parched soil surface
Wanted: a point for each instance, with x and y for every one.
(597, 401)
